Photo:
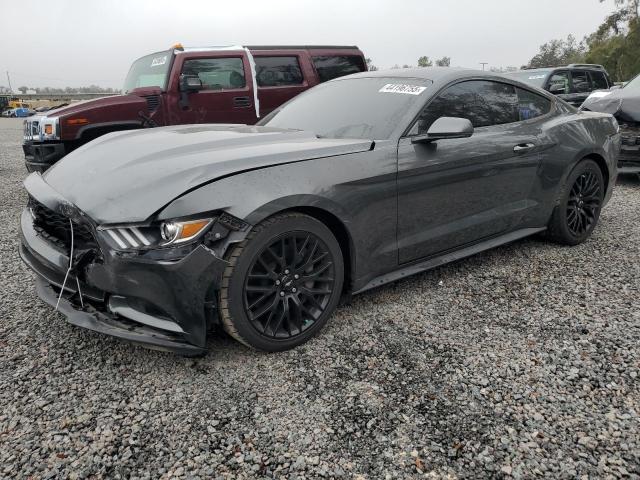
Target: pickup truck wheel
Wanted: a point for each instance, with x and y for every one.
(579, 206)
(282, 284)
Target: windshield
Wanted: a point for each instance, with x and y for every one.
(533, 77)
(368, 108)
(634, 84)
(149, 71)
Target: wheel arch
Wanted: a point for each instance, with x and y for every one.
(604, 168)
(339, 230)
(91, 132)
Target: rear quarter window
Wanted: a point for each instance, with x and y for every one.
(599, 80)
(330, 67)
(484, 103)
(278, 71)
(531, 105)
(581, 83)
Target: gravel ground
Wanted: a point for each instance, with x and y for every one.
(519, 362)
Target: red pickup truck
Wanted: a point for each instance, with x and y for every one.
(190, 85)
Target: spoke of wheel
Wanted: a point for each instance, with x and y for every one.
(287, 314)
(297, 314)
(573, 223)
(306, 310)
(259, 276)
(260, 299)
(311, 298)
(313, 274)
(260, 288)
(299, 256)
(310, 255)
(318, 291)
(280, 319)
(270, 271)
(265, 309)
(283, 249)
(276, 257)
(270, 317)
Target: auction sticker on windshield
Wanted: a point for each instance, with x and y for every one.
(156, 62)
(402, 88)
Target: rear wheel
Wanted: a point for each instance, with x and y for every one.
(578, 210)
(282, 284)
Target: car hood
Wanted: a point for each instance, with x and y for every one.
(624, 104)
(128, 176)
(83, 106)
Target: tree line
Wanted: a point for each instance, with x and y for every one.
(615, 45)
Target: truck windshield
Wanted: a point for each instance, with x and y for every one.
(149, 71)
(532, 77)
(367, 108)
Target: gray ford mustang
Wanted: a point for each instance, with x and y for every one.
(158, 235)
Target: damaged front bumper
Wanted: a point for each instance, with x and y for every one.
(163, 304)
(629, 158)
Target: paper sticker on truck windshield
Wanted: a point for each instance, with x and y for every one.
(402, 88)
(156, 62)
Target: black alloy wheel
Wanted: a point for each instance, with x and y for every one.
(283, 282)
(584, 203)
(289, 285)
(578, 208)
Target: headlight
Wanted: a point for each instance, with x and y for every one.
(180, 232)
(49, 128)
(129, 237)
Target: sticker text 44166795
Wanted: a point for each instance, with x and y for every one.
(402, 88)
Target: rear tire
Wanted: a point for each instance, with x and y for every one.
(578, 210)
(282, 283)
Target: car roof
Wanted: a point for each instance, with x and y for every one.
(425, 73)
(562, 67)
(437, 75)
(441, 76)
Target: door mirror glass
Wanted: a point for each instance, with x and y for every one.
(444, 128)
(190, 83)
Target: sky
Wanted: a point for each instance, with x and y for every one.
(77, 43)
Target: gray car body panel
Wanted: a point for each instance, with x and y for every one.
(141, 170)
(404, 207)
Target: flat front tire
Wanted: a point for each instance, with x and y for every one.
(282, 283)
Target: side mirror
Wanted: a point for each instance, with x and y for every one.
(190, 83)
(444, 128)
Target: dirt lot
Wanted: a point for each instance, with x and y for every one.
(521, 361)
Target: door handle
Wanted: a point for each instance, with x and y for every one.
(523, 147)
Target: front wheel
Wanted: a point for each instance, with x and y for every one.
(282, 284)
(578, 209)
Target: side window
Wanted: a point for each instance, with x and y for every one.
(559, 83)
(599, 81)
(531, 105)
(581, 83)
(217, 73)
(484, 103)
(278, 71)
(334, 67)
